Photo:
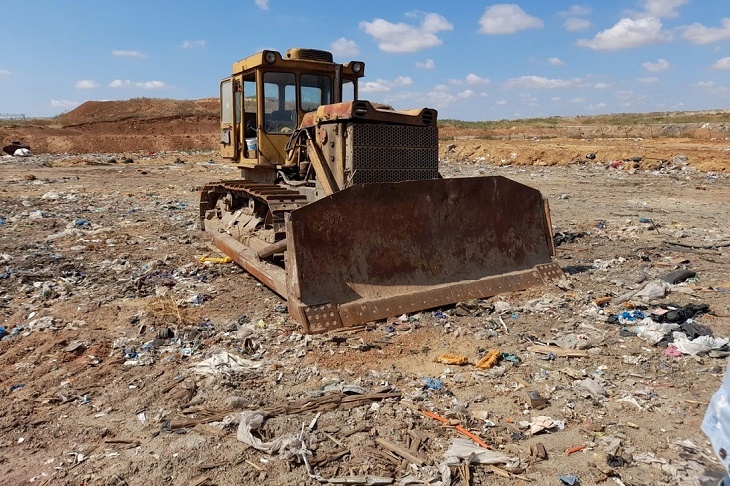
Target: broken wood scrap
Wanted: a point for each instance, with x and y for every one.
(558, 351)
(368, 480)
(129, 442)
(506, 474)
(205, 410)
(321, 460)
(326, 403)
(400, 450)
(458, 428)
(211, 465)
(192, 422)
(380, 455)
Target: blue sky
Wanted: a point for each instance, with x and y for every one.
(470, 60)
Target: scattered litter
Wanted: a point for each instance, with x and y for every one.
(453, 359)
(570, 480)
(223, 362)
(488, 360)
(464, 448)
(433, 383)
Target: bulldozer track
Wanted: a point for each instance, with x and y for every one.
(280, 200)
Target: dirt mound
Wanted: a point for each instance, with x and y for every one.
(139, 108)
(135, 125)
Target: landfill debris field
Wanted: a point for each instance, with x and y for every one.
(132, 352)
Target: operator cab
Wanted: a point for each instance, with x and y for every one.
(263, 103)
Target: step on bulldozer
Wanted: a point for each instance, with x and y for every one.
(341, 210)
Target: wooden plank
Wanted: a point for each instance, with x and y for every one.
(400, 450)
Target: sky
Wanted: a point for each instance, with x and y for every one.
(471, 60)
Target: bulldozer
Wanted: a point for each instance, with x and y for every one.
(340, 207)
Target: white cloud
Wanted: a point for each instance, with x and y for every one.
(344, 48)
(403, 81)
(65, 104)
(663, 8)
(152, 85)
(575, 11)
(507, 18)
(704, 84)
(722, 64)
(626, 34)
(501, 103)
(384, 85)
(402, 37)
(574, 24)
(699, 34)
(465, 94)
(441, 87)
(555, 61)
(601, 85)
(555, 98)
(193, 44)
(4, 72)
(472, 78)
(541, 82)
(577, 99)
(427, 64)
(125, 83)
(440, 99)
(262, 4)
(137, 54)
(655, 67)
(597, 106)
(86, 84)
(648, 80)
(377, 86)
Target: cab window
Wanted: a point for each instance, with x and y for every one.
(280, 103)
(348, 90)
(315, 91)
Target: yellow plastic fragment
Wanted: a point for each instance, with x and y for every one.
(489, 360)
(452, 359)
(225, 259)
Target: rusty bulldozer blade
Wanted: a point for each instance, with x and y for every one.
(378, 250)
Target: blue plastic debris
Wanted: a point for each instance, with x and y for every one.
(439, 315)
(433, 383)
(570, 480)
(510, 357)
(82, 222)
(3, 332)
(17, 387)
(631, 316)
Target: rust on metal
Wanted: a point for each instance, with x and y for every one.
(364, 109)
(270, 275)
(378, 250)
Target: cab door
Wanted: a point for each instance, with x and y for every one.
(229, 131)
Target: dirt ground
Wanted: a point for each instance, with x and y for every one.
(109, 312)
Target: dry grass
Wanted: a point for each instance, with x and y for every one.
(166, 311)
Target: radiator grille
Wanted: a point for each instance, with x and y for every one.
(394, 153)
